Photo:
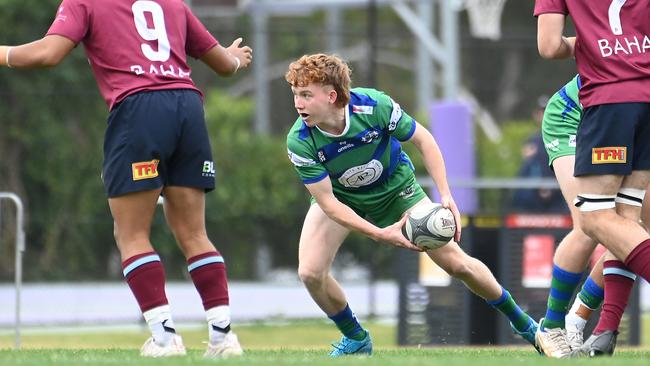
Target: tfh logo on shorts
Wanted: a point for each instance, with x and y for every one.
(208, 168)
(609, 155)
(145, 169)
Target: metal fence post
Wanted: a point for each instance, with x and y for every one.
(20, 248)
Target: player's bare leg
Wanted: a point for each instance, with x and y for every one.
(618, 234)
(132, 215)
(570, 260)
(479, 279)
(185, 214)
(320, 240)
(618, 282)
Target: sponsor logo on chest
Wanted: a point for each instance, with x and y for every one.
(369, 137)
(609, 155)
(344, 145)
(362, 109)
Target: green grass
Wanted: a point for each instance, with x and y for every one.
(402, 357)
(298, 343)
(294, 335)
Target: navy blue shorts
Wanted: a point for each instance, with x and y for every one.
(613, 139)
(156, 139)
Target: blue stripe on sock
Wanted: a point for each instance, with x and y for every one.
(500, 300)
(204, 261)
(592, 288)
(138, 262)
(620, 272)
(560, 295)
(566, 276)
(554, 315)
(345, 316)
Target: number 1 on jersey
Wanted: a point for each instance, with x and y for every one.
(157, 33)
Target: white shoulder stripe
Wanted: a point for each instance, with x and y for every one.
(395, 116)
(298, 160)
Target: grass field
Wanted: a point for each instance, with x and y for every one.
(303, 343)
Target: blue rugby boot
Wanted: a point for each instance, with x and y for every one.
(347, 346)
(529, 333)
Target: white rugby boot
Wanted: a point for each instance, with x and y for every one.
(553, 342)
(175, 347)
(574, 335)
(227, 348)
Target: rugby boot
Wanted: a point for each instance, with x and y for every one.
(175, 347)
(347, 346)
(227, 348)
(529, 333)
(602, 344)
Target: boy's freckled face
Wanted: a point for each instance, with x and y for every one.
(312, 102)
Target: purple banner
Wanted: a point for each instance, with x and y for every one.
(453, 129)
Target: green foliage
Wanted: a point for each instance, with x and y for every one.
(50, 144)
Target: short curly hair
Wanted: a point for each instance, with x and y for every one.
(323, 69)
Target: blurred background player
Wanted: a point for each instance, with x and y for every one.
(156, 143)
(612, 161)
(346, 148)
(534, 164)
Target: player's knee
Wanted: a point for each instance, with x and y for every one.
(593, 208)
(593, 223)
(460, 268)
(309, 276)
(579, 239)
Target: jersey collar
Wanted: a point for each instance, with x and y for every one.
(347, 125)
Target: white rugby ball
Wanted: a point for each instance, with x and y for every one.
(430, 226)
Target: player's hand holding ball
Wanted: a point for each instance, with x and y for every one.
(447, 201)
(393, 235)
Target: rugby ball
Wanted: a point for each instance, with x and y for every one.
(430, 226)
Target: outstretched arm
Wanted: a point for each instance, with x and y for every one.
(46, 52)
(551, 43)
(435, 165)
(226, 61)
(344, 215)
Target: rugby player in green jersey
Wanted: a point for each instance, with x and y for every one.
(346, 148)
(561, 332)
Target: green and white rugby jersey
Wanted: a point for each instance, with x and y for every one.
(561, 119)
(366, 165)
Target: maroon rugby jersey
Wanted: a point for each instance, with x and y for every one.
(134, 45)
(612, 47)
